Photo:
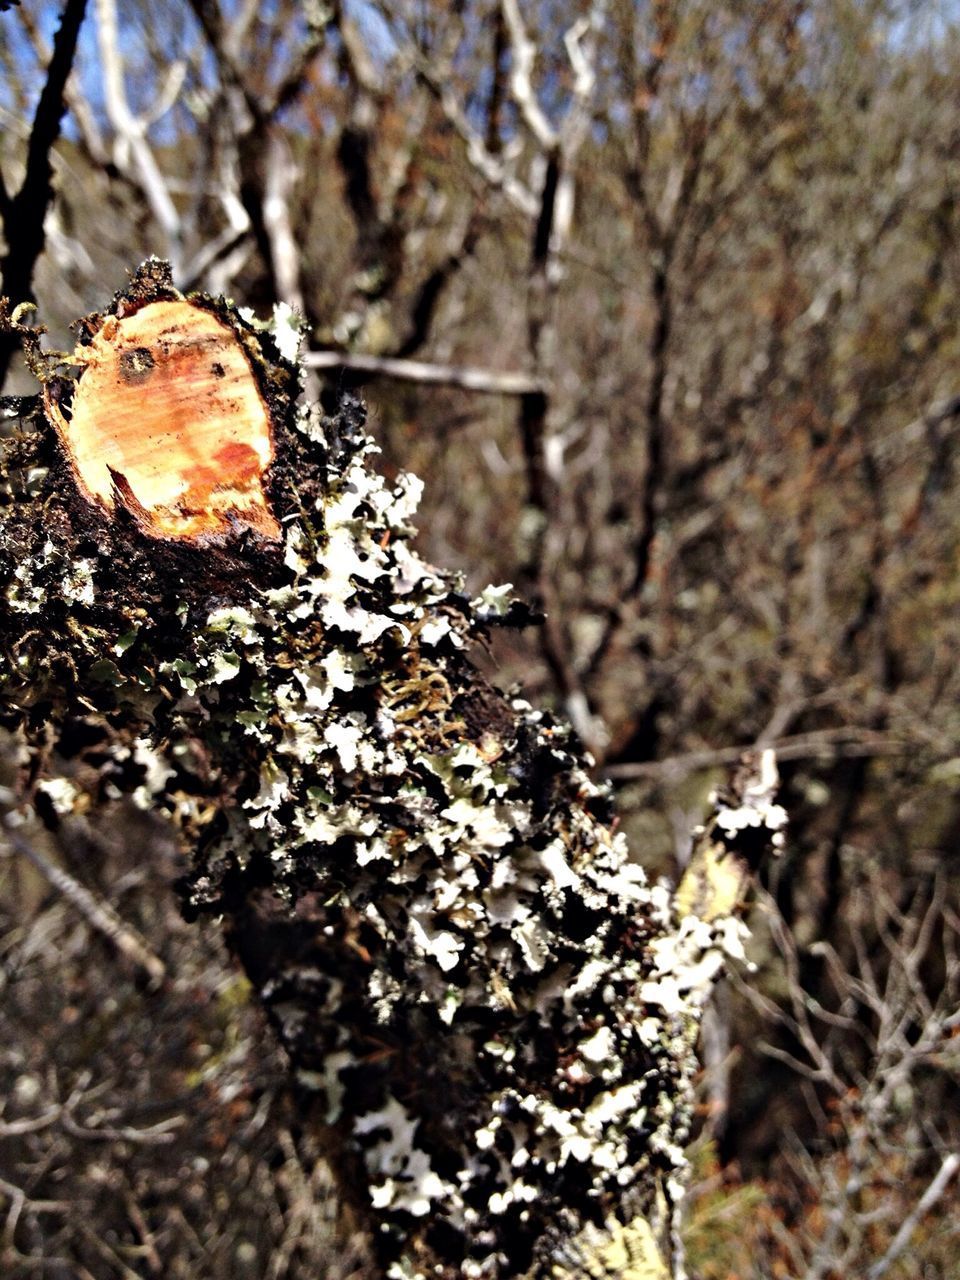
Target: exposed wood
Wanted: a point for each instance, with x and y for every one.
(169, 422)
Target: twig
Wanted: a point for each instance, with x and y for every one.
(63, 1113)
(131, 132)
(220, 247)
(524, 53)
(155, 1134)
(495, 169)
(926, 1202)
(100, 915)
(16, 1128)
(89, 132)
(483, 381)
(19, 1200)
(845, 742)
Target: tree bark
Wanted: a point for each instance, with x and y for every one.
(493, 1013)
(22, 215)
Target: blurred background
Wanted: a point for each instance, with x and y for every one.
(660, 298)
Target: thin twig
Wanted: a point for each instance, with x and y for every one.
(100, 915)
(524, 53)
(841, 743)
(949, 1166)
(483, 381)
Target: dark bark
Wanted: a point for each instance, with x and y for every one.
(24, 213)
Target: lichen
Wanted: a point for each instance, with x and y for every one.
(493, 1010)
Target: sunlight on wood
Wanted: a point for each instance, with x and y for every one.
(168, 420)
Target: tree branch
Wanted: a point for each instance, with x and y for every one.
(842, 743)
(131, 132)
(938, 1185)
(25, 213)
(101, 915)
(523, 52)
(483, 381)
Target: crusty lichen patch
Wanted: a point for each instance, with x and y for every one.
(493, 1010)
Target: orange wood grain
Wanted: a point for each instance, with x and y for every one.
(168, 419)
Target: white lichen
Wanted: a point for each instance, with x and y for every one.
(477, 976)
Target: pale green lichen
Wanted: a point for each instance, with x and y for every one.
(494, 1008)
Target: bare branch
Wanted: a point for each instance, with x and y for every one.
(211, 21)
(938, 1184)
(19, 1201)
(497, 170)
(295, 78)
(24, 214)
(280, 174)
(216, 250)
(524, 52)
(845, 742)
(131, 132)
(154, 1134)
(100, 915)
(483, 381)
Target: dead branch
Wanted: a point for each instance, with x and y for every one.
(482, 381)
(101, 915)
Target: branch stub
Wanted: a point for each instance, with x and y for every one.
(168, 422)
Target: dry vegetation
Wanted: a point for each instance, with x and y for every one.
(661, 299)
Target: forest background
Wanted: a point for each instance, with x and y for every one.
(661, 299)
